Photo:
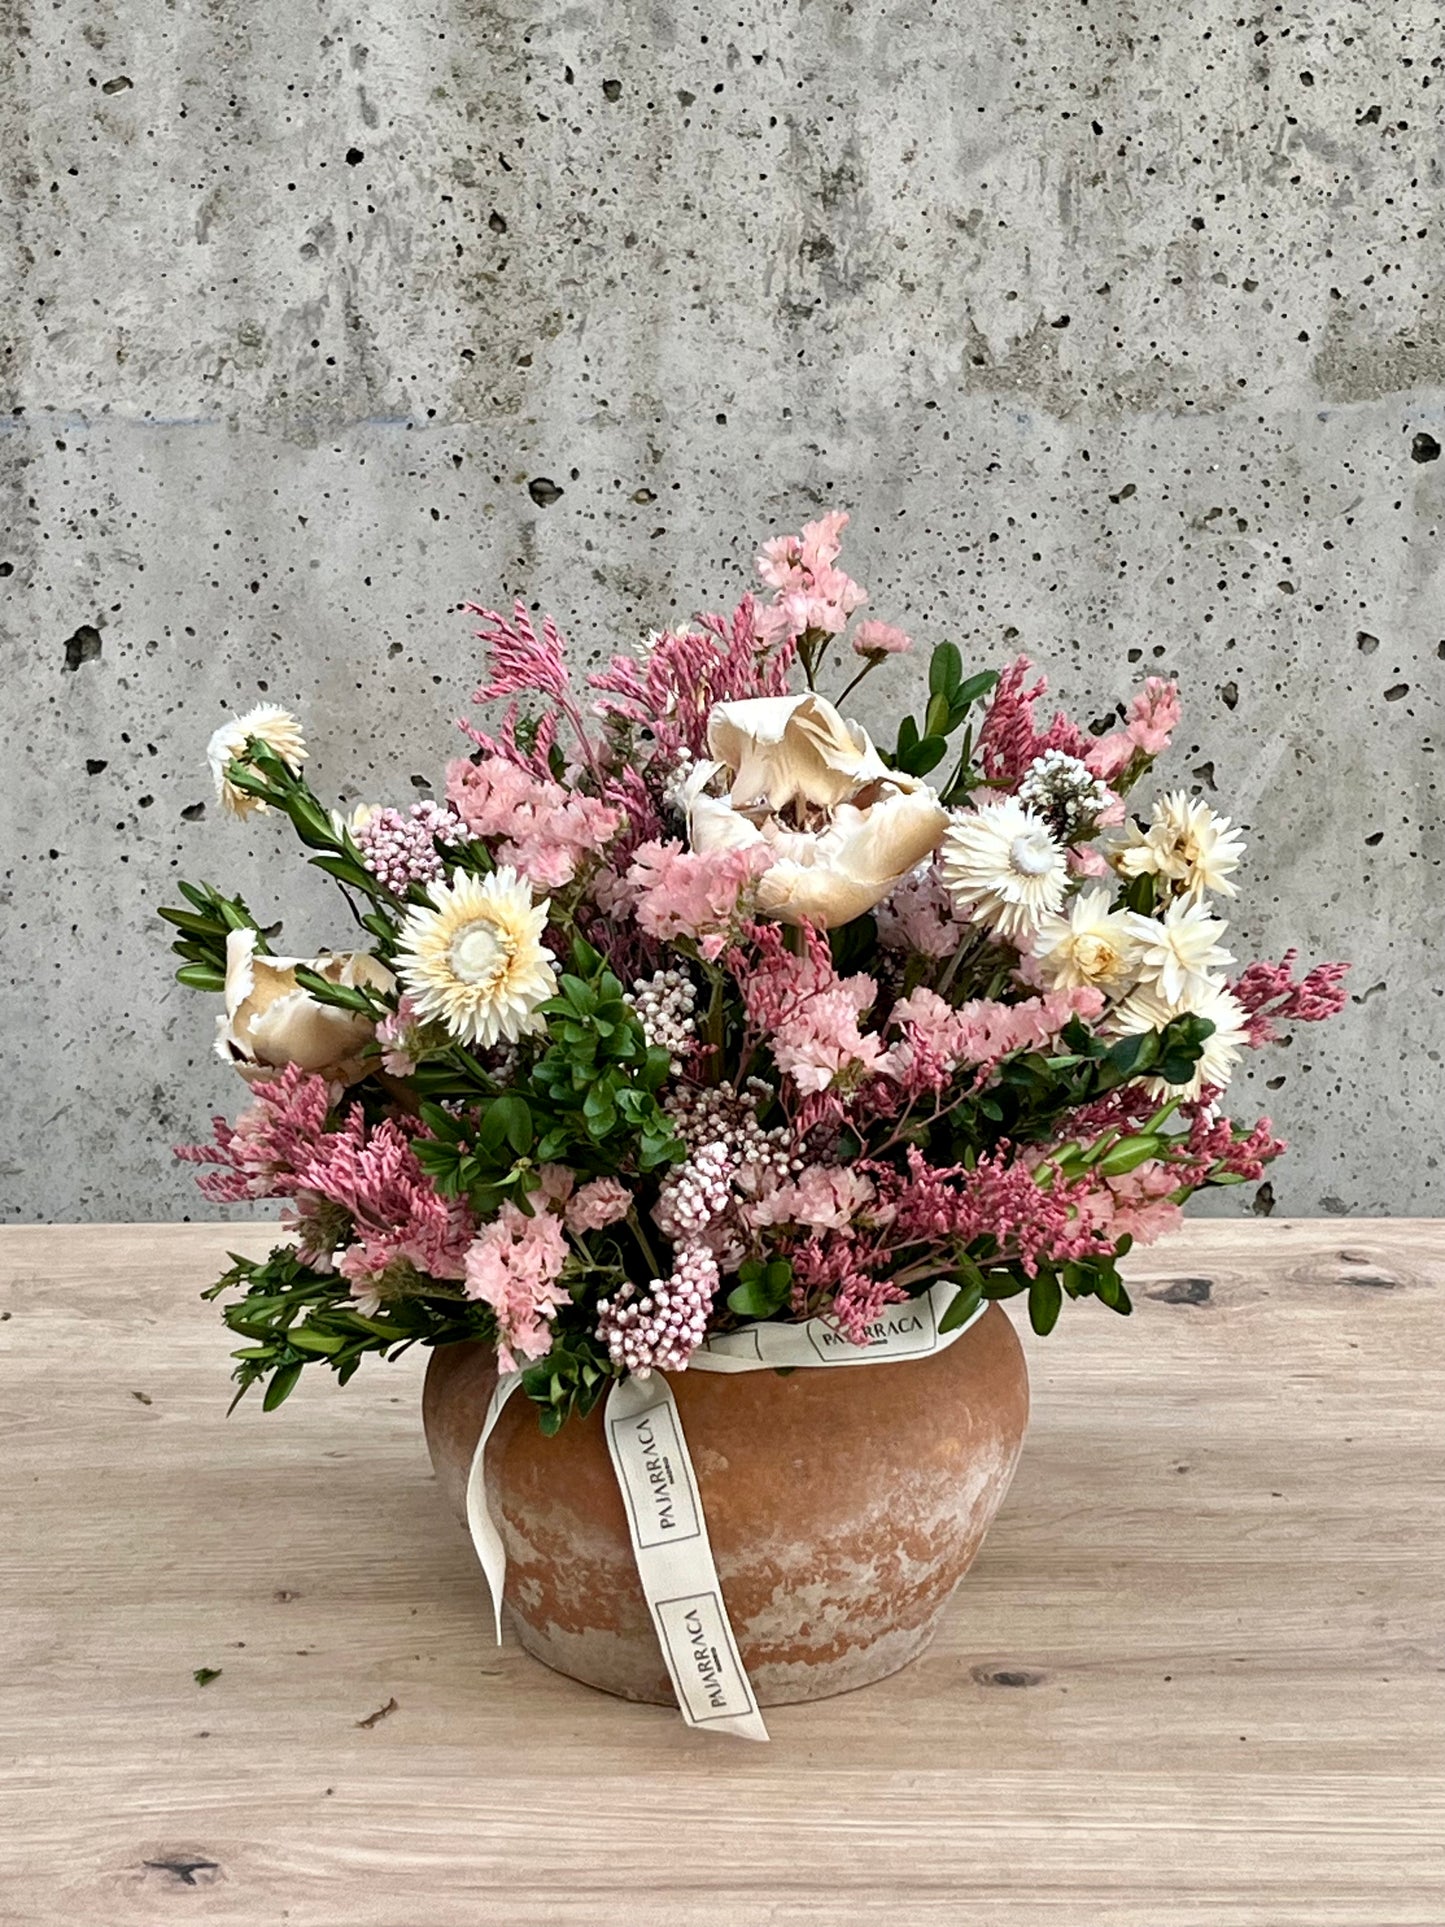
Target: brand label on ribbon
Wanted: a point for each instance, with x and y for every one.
(647, 1450)
(665, 1518)
(695, 1633)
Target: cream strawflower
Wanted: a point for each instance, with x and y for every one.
(1003, 865)
(476, 961)
(274, 726)
(1087, 944)
(1145, 1010)
(1187, 844)
(1179, 949)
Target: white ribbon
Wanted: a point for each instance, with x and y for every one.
(665, 1519)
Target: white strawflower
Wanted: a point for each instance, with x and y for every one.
(1179, 949)
(475, 961)
(1002, 864)
(1087, 943)
(1187, 844)
(270, 724)
(1145, 1010)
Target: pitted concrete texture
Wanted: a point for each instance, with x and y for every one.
(1120, 328)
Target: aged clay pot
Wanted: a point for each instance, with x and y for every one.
(843, 1508)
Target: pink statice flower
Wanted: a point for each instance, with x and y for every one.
(820, 1043)
(1108, 756)
(597, 1204)
(879, 639)
(548, 832)
(995, 1030)
(685, 893)
(1271, 996)
(920, 915)
(825, 1197)
(812, 592)
(402, 1036)
(514, 1264)
(806, 1011)
(1154, 715)
(934, 1040)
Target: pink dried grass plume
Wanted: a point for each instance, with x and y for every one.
(999, 1198)
(262, 1155)
(397, 1213)
(670, 691)
(1010, 739)
(1271, 995)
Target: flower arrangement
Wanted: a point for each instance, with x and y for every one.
(691, 1006)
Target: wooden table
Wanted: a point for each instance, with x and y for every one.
(1194, 1680)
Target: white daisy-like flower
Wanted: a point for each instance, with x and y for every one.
(1144, 1009)
(1086, 944)
(1002, 864)
(1187, 844)
(1179, 949)
(270, 724)
(348, 825)
(475, 959)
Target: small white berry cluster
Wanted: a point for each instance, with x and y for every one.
(718, 1114)
(661, 1331)
(696, 1193)
(1064, 791)
(666, 1003)
(401, 850)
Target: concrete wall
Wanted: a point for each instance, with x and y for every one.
(1121, 329)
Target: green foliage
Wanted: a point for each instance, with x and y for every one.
(571, 1378)
(202, 929)
(763, 1288)
(1031, 1092)
(920, 748)
(293, 1316)
(596, 1083)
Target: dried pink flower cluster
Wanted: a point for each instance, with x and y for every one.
(811, 591)
(514, 1266)
(543, 830)
(402, 850)
(660, 1329)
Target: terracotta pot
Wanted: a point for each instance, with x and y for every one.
(843, 1508)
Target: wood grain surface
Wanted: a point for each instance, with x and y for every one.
(1196, 1679)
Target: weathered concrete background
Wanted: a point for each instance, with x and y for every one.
(1122, 330)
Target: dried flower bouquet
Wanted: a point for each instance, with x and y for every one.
(691, 1006)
